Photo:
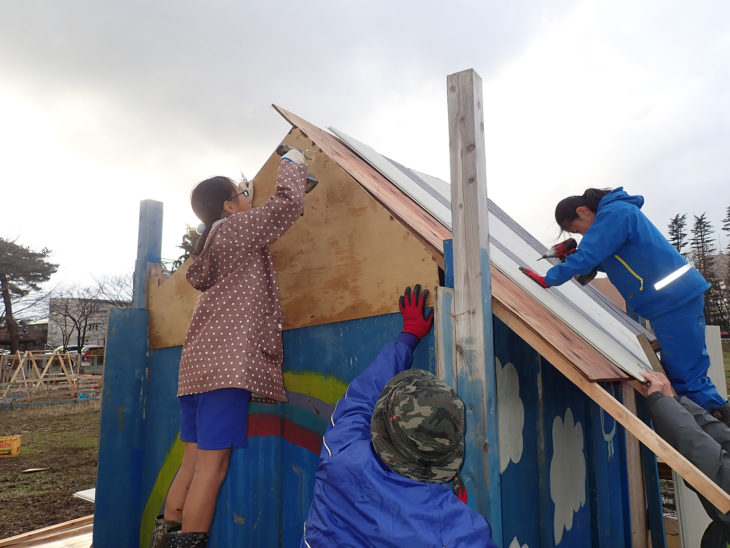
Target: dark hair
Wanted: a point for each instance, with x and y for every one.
(565, 210)
(207, 200)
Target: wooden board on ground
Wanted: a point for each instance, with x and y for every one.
(346, 258)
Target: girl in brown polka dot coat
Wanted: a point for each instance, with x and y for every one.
(233, 347)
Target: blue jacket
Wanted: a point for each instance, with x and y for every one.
(359, 502)
(625, 245)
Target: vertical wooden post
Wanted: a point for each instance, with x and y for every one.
(149, 247)
(473, 330)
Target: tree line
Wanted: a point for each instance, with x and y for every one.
(71, 308)
(701, 249)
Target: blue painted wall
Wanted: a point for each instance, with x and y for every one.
(265, 498)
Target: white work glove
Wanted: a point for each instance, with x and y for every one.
(294, 155)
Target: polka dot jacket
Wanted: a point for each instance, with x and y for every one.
(234, 338)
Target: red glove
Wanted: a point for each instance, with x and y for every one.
(413, 308)
(457, 487)
(540, 280)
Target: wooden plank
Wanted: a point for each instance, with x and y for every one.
(532, 334)
(77, 525)
(637, 497)
(648, 349)
(472, 304)
(346, 258)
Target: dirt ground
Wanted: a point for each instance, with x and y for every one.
(62, 438)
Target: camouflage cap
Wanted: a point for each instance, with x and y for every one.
(417, 427)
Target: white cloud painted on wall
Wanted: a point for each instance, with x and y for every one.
(567, 473)
(511, 413)
(516, 544)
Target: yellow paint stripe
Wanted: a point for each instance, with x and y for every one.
(159, 490)
(641, 287)
(327, 388)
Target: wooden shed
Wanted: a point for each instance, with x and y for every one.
(548, 462)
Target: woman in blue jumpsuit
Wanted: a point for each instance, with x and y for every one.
(652, 276)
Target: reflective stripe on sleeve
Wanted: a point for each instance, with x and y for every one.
(673, 276)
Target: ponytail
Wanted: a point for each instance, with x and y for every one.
(565, 211)
(207, 200)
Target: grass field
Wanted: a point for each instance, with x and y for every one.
(62, 438)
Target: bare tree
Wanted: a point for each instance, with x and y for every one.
(118, 290)
(73, 312)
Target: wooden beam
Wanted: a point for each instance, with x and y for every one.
(78, 525)
(637, 496)
(472, 304)
(613, 407)
(648, 349)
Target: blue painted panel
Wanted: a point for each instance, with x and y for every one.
(558, 396)
(449, 263)
(121, 456)
(606, 451)
(520, 485)
(346, 348)
(149, 246)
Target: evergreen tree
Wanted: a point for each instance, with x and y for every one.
(22, 270)
(190, 238)
(678, 233)
(726, 227)
(703, 247)
(704, 256)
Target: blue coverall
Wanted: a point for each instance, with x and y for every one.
(359, 502)
(656, 282)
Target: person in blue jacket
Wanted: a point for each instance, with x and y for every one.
(394, 440)
(652, 276)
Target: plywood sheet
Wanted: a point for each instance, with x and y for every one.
(405, 210)
(170, 303)
(346, 258)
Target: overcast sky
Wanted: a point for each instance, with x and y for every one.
(104, 104)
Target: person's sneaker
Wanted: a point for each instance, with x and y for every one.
(722, 413)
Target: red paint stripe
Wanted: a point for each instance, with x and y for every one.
(263, 424)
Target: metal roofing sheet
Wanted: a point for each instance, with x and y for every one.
(608, 330)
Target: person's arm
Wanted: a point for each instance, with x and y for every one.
(263, 225)
(676, 421)
(463, 526)
(608, 233)
(350, 420)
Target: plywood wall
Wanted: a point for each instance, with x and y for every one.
(346, 258)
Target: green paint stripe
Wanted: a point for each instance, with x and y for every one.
(159, 490)
(327, 388)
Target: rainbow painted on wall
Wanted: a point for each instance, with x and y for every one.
(302, 422)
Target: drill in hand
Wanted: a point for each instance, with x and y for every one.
(561, 250)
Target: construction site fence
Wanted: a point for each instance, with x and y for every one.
(42, 377)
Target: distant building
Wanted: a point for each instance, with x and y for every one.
(32, 334)
(67, 316)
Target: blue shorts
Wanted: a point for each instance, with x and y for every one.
(216, 419)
